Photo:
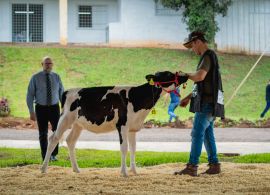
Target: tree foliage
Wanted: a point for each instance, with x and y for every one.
(200, 15)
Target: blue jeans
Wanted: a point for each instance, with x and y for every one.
(266, 109)
(203, 132)
(171, 109)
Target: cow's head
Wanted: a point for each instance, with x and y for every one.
(166, 79)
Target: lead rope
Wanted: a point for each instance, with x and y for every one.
(243, 81)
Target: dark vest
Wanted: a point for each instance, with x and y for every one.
(196, 99)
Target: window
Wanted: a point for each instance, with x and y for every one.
(27, 23)
(85, 16)
(19, 23)
(36, 23)
(164, 11)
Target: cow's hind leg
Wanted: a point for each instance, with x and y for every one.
(71, 142)
(62, 126)
(124, 148)
(132, 149)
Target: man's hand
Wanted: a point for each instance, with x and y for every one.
(185, 101)
(33, 116)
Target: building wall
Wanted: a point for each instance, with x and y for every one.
(50, 18)
(246, 27)
(139, 24)
(90, 35)
(5, 21)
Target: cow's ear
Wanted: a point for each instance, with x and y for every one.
(149, 77)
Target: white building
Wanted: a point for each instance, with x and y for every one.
(127, 22)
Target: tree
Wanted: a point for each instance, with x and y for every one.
(200, 15)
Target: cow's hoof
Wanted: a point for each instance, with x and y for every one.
(43, 170)
(124, 174)
(133, 171)
(76, 170)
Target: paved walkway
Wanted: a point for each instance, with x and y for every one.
(229, 140)
(223, 147)
(154, 135)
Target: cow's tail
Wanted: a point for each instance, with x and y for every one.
(64, 97)
(63, 101)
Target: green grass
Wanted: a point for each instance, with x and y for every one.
(87, 67)
(254, 158)
(87, 158)
(10, 157)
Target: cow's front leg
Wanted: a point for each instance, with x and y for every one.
(132, 149)
(53, 141)
(71, 141)
(122, 130)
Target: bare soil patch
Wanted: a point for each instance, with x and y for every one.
(235, 178)
(17, 123)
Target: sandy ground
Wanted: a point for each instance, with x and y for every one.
(235, 179)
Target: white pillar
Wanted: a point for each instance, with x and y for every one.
(63, 10)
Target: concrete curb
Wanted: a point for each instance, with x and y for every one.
(223, 147)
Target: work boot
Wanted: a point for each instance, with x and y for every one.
(214, 168)
(189, 170)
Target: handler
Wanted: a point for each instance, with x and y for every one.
(45, 89)
(175, 100)
(206, 102)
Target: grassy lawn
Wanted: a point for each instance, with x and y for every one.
(98, 158)
(87, 67)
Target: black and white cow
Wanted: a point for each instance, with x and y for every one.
(104, 109)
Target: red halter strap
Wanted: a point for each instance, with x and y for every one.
(174, 91)
(173, 81)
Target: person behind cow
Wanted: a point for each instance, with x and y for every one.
(267, 98)
(206, 101)
(175, 100)
(45, 90)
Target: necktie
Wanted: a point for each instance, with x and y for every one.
(49, 89)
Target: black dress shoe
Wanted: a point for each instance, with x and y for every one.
(53, 158)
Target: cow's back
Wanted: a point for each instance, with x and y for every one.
(103, 109)
(98, 109)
